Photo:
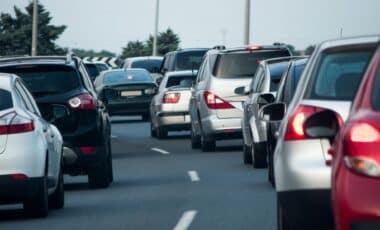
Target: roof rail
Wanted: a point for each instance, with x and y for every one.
(219, 47)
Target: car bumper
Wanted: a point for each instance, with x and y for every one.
(222, 128)
(356, 200)
(310, 209)
(18, 190)
(173, 120)
(129, 108)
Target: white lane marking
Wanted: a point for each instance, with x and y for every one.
(164, 152)
(186, 219)
(194, 177)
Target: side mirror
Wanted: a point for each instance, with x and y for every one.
(323, 124)
(273, 112)
(242, 90)
(58, 112)
(265, 98)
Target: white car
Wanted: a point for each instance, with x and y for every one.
(30, 151)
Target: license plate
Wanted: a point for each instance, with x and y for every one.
(130, 93)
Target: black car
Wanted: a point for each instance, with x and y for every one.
(92, 70)
(285, 93)
(86, 129)
(126, 91)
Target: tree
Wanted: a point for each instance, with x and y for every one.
(16, 32)
(134, 49)
(92, 53)
(167, 41)
(309, 50)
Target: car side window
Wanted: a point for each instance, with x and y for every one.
(20, 99)
(257, 79)
(24, 98)
(200, 72)
(86, 79)
(171, 62)
(31, 100)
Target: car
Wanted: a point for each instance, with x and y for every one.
(150, 63)
(260, 91)
(215, 109)
(30, 151)
(302, 179)
(170, 107)
(92, 70)
(355, 154)
(126, 91)
(183, 59)
(102, 66)
(86, 129)
(285, 93)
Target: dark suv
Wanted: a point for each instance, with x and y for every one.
(86, 127)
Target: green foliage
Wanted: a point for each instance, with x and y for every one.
(166, 41)
(16, 32)
(92, 53)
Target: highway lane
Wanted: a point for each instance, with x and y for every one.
(162, 184)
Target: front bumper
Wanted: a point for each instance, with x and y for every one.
(18, 190)
(227, 128)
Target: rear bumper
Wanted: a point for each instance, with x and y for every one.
(174, 120)
(14, 191)
(77, 162)
(228, 128)
(310, 209)
(129, 107)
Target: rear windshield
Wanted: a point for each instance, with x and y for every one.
(338, 75)
(92, 70)
(127, 76)
(242, 64)
(5, 99)
(190, 60)
(149, 65)
(181, 81)
(276, 71)
(46, 79)
(101, 67)
(376, 91)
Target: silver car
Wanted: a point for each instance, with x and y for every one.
(169, 109)
(215, 108)
(302, 176)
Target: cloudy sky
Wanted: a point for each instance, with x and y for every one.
(98, 24)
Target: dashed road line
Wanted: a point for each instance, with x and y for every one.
(164, 152)
(194, 177)
(186, 220)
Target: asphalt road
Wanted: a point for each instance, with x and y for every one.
(164, 188)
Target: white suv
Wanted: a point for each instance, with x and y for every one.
(30, 151)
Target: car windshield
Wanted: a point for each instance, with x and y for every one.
(46, 79)
(5, 99)
(189, 60)
(127, 76)
(339, 74)
(242, 64)
(276, 71)
(181, 81)
(151, 65)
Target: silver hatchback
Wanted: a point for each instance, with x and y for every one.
(215, 109)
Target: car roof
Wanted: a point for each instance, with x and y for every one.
(6, 80)
(63, 60)
(189, 50)
(144, 58)
(181, 73)
(349, 41)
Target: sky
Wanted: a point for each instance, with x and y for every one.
(109, 25)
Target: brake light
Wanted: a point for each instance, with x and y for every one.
(215, 102)
(171, 98)
(83, 101)
(88, 150)
(18, 176)
(12, 123)
(364, 132)
(295, 129)
(254, 47)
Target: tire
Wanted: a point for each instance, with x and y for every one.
(145, 117)
(153, 132)
(259, 160)
(247, 155)
(110, 163)
(282, 222)
(161, 132)
(207, 144)
(195, 140)
(38, 205)
(99, 176)
(57, 199)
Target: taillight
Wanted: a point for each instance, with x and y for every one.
(362, 149)
(171, 98)
(253, 47)
(215, 102)
(83, 101)
(13, 123)
(87, 150)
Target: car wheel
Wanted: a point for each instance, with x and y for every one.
(282, 222)
(153, 132)
(38, 205)
(195, 139)
(207, 144)
(247, 155)
(259, 159)
(161, 132)
(57, 199)
(99, 176)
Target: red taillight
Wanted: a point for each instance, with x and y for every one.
(88, 149)
(83, 101)
(18, 176)
(295, 129)
(171, 98)
(364, 132)
(12, 123)
(254, 47)
(215, 102)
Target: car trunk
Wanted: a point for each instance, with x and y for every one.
(131, 92)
